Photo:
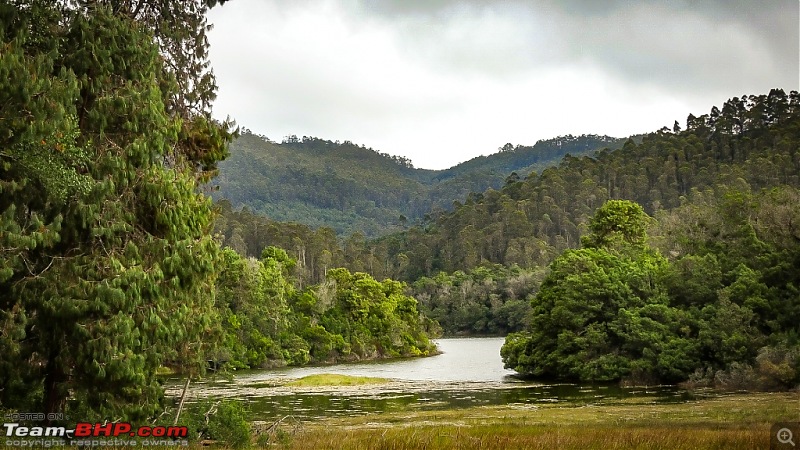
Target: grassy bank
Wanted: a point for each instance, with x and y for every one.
(329, 379)
(727, 422)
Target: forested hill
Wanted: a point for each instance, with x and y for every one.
(351, 188)
(526, 159)
(713, 188)
(749, 144)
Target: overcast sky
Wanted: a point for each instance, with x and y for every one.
(442, 81)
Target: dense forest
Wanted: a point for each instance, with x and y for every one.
(266, 321)
(350, 188)
(692, 277)
(746, 146)
(671, 259)
(108, 269)
(718, 309)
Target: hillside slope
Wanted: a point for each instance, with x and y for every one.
(352, 188)
(724, 190)
(749, 144)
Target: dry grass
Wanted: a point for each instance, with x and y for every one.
(730, 422)
(538, 437)
(726, 422)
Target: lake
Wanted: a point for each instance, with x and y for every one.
(468, 372)
(462, 359)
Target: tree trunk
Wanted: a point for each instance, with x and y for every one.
(54, 398)
(183, 399)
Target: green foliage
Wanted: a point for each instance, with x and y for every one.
(106, 266)
(489, 300)
(227, 421)
(775, 368)
(350, 188)
(375, 317)
(230, 424)
(252, 301)
(179, 29)
(617, 222)
(267, 322)
(619, 310)
(599, 316)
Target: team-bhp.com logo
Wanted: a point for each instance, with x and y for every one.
(86, 429)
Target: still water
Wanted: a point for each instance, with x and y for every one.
(468, 372)
(465, 360)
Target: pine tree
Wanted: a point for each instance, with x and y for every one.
(106, 269)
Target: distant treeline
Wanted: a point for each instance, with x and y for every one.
(266, 321)
(750, 144)
(352, 188)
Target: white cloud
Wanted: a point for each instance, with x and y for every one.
(441, 82)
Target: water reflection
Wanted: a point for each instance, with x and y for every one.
(314, 405)
(469, 372)
(461, 360)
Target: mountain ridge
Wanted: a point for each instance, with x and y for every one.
(746, 145)
(354, 188)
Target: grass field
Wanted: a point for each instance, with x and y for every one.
(740, 421)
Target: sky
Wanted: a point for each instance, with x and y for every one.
(443, 81)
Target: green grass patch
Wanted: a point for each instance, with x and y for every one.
(165, 371)
(329, 379)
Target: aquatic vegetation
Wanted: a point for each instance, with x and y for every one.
(330, 379)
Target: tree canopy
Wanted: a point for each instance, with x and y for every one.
(267, 321)
(351, 188)
(107, 266)
(716, 313)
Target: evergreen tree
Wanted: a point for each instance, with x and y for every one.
(107, 268)
(601, 313)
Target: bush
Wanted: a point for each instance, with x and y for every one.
(227, 421)
(778, 367)
(775, 368)
(230, 424)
